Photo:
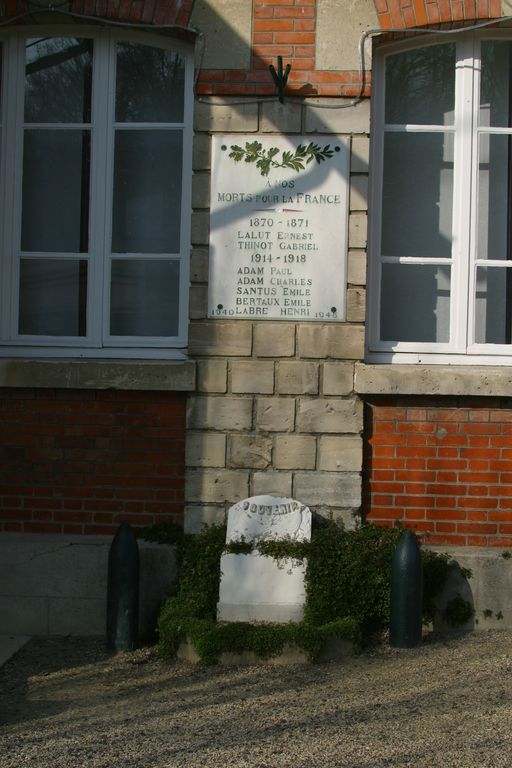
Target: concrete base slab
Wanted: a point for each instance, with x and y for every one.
(334, 650)
(11, 644)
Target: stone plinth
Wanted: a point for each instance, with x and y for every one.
(257, 588)
(254, 587)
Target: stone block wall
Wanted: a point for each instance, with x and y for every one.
(275, 409)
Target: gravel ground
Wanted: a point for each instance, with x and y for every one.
(65, 703)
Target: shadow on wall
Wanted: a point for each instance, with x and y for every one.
(484, 583)
(454, 604)
(228, 46)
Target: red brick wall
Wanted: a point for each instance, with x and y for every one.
(136, 11)
(82, 461)
(403, 14)
(284, 28)
(443, 468)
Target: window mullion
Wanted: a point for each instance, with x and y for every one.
(463, 186)
(375, 202)
(110, 135)
(474, 161)
(14, 140)
(99, 184)
(186, 196)
(7, 162)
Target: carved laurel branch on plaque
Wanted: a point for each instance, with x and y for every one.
(266, 159)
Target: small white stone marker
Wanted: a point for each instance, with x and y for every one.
(261, 518)
(258, 588)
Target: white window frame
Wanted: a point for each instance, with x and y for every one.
(97, 343)
(461, 349)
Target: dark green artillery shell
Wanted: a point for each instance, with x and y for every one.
(123, 591)
(406, 593)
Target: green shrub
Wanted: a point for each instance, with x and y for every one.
(347, 592)
(200, 571)
(349, 574)
(163, 533)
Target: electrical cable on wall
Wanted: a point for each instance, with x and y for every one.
(362, 64)
(200, 48)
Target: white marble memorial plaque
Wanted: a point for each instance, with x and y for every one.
(278, 227)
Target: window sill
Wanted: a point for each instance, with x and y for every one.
(177, 376)
(475, 381)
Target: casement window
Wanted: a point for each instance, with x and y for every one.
(440, 248)
(94, 194)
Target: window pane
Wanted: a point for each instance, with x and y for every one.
(494, 180)
(415, 303)
(147, 192)
(496, 83)
(53, 297)
(493, 307)
(417, 217)
(420, 86)
(58, 80)
(55, 213)
(149, 85)
(144, 299)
